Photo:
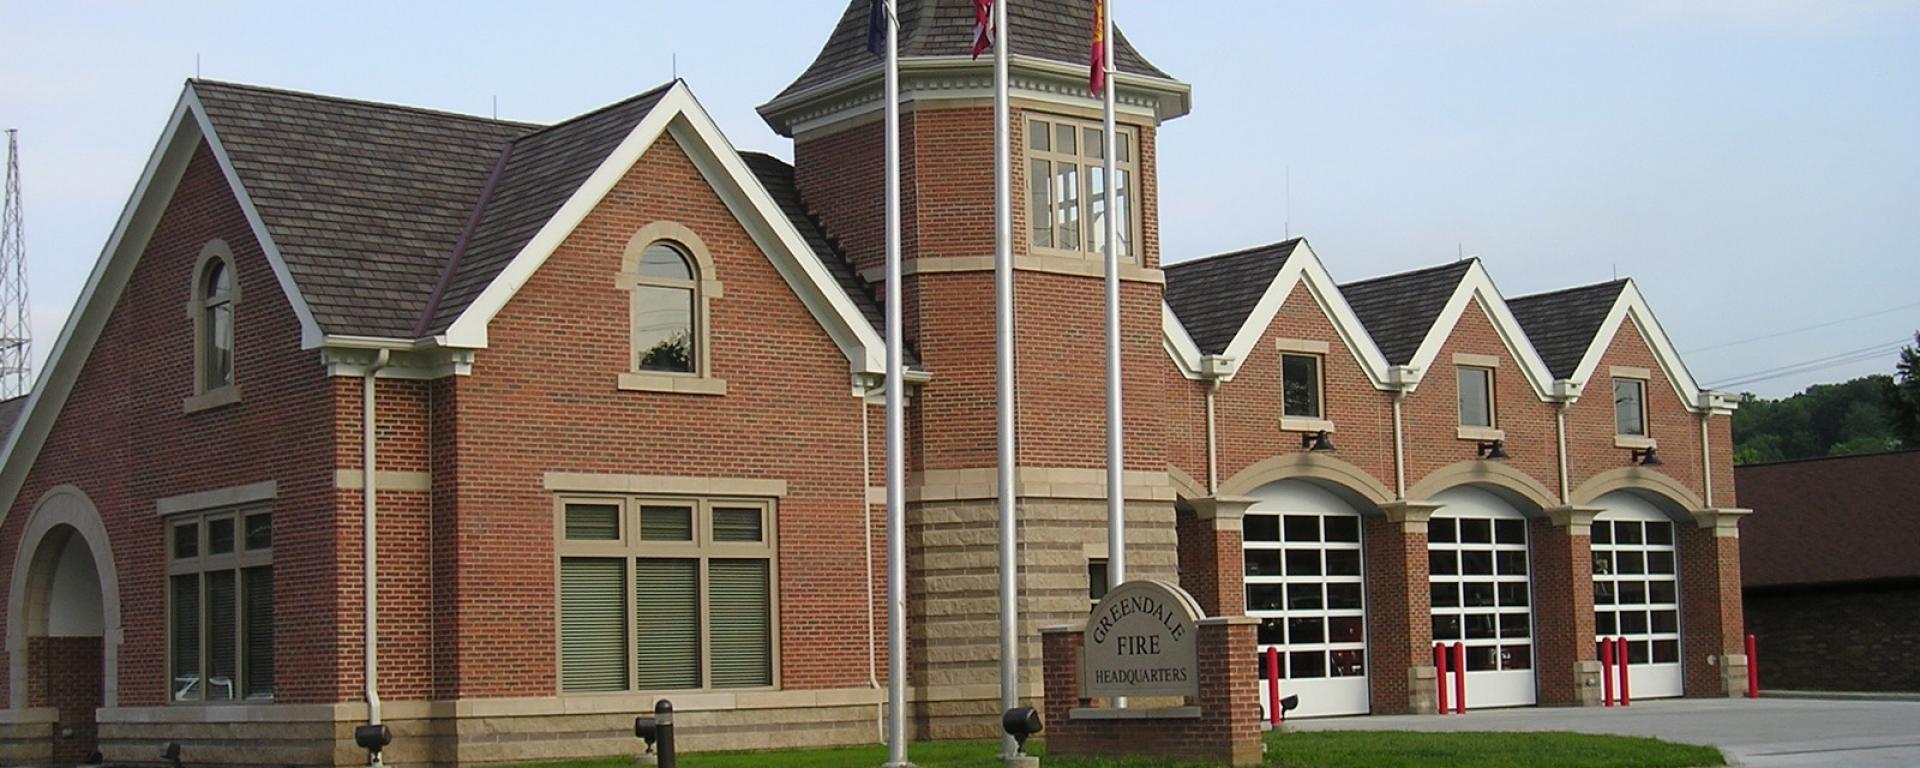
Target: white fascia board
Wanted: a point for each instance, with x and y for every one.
(1477, 286)
(1303, 265)
(1632, 305)
(1179, 344)
(98, 295)
(310, 335)
(678, 112)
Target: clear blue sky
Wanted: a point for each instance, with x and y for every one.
(1755, 164)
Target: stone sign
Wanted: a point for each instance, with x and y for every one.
(1140, 642)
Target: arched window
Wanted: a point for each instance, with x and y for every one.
(670, 281)
(665, 293)
(216, 325)
(211, 298)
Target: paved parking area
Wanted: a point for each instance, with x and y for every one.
(1767, 733)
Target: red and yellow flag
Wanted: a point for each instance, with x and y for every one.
(1097, 76)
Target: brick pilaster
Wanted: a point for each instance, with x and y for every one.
(1712, 624)
(1213, 553)
(1399, 609)
(1563, 607)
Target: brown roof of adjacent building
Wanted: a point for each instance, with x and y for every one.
(1057, 30)
(1828, 520)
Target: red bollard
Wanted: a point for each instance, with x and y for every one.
(1459, 678)
(1753, 667)
(1606, 671)
(1440, 676)
(1273, 685)
(1626, 696)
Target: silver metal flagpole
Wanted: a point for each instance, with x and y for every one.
(1003, 349)
(1116, 489)
(896, 423)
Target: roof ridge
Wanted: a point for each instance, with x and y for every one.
(1622, 282)
(1464, 263)
(1809, 459)
(656, 90)
(1229, 254)
(195, 81)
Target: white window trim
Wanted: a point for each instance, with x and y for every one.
(1473, 432)
(238, 562)
(706, 288)
(1299, 422)
(1627, 439)
(1129, 137)
(204, 398)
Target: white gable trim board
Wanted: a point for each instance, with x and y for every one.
(1477, 286)
(1303, 266)
(680, 116)
(1631, 304)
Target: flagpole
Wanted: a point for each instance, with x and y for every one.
(1003, 349)
(1116, 489)
(896, 422)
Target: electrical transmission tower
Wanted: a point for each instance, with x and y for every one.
(16, 334)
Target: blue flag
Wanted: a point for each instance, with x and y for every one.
(877, 28)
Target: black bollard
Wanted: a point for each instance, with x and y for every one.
(663, 723)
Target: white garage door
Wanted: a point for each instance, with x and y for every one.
(1304, 583)
(1636, 592)
(1482, 594)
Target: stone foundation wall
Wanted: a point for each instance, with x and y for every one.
(1860, 637)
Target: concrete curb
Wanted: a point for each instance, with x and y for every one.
(1842, 695)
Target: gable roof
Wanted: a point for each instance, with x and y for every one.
(1828, 520)
(1562, 324)
(1213, 295)
(10, 410)
(1056, 30)
(363, 200)
(1398, 310)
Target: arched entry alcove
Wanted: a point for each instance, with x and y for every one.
(63, 620)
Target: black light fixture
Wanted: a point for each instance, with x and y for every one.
(1647, 457)
(1021, 723)
(1317, 442)
(1493, 450)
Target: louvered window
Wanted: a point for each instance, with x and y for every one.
(220, 606)
(661, 594)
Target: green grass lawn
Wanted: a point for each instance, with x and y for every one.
(1345, 749)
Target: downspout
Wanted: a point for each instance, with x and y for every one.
(368, 489)
(866, 506)
(1706, 456)
(1213, 443)
(1560, 417)
(1399, 448)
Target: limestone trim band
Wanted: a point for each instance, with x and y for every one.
(625, 703)
(384, 480)
(1029, 482)
(589, 482)
(233, 496)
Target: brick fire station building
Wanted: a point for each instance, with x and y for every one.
(609, 392)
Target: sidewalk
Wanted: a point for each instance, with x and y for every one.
(1815, 733)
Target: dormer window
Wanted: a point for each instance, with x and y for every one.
(669, 278)
(215, 293)
(1066, 188)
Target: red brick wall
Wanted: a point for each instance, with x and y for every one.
(1226, 732)
(66, 675)
(543, 397)
(1711, 618)
(1590, 421)
(404, 429)
(1399, 611)
(1563, 625)
(123, 439)
(1432, 412)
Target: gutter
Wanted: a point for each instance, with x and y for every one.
(371, 650)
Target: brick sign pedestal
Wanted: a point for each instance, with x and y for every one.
(1220, 725)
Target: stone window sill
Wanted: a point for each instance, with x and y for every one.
(211, 399)
(1634, 441)
(666, 382)
(1303, 424)
(1481, 434)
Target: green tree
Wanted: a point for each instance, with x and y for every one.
(1905, 398)
(1857, 416)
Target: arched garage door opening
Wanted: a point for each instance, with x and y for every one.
(1636, 590)
(1305, 585)
(1480, 575)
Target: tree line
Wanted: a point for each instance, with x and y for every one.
(1870, 414)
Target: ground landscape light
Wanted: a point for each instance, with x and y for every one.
(1021, 723)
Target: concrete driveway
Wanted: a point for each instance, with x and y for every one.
(1805, 733)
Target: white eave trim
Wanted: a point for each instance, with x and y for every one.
(1303, 267)
(1477, 286)
(1179, 344)
(681, 116)
(1632, 305)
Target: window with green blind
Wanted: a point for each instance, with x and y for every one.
(220, 611)
(662, 594)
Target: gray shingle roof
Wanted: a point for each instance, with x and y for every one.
(10, 410)
(1058, 30)
(364, 200)
(1561, 324)
(1398, 310)
(1213, 295)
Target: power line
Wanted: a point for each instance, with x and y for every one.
(1816, 326)
(1808, 366)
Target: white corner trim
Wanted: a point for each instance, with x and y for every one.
(1632, 305)
(1179, 344)
(678, 112)
(1477, 286)
(310, 335)
(234, 496)
(1304, 266)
